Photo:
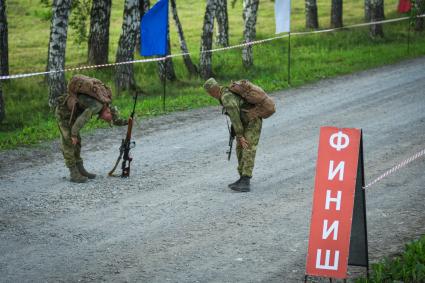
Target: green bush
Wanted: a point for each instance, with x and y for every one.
(407, 267)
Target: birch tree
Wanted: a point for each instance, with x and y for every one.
(4, 45)
(191, 68)
(143, 8)
(57, 48)
(98, 45)
(419, 9)
(377, 14)
(124, 74)
(250, 11)
(336, 14)
(367, 10)
(2, 112)
(222, 17)
(312, 20)
(166, 67)
(205, 64)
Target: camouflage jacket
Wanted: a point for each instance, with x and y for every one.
(86, 108)
(234, 106)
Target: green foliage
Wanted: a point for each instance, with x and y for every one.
(79, 20)
(29, 119)
(407, 267)
(418, 8)
(44, 11)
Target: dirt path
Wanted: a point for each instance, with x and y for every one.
(175, 220)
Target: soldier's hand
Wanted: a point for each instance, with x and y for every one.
(243, 142)
(74, 140)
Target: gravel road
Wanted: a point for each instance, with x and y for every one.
(175, 220)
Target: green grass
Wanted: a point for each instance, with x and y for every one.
(29, 119)
(407, 267)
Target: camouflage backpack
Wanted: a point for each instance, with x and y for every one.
(253, 94)
(89, 86)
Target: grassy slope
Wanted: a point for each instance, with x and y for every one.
(314, 57)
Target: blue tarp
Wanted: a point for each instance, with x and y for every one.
(154, 30)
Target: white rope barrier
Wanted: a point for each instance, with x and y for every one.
(19, 76)
(396, 168)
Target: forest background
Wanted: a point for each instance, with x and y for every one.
(29, 119)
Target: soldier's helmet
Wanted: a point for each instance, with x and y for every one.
(210, 83)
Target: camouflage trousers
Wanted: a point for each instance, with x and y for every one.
(246, 157)
(71, 153)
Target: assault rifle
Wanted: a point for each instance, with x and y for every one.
(126, 145)
(232, 136)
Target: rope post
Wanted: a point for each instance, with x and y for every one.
(409, 22)
(165, 85)
(289, 59)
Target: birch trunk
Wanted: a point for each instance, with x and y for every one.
(377, 14)
(143, 8)
(191, 68)
(166, 68)
(250, 11)
(98, 46)
(222, 35)
(367, 10)
(420, 22)
(4, 45)
(312, 21)
(2, 112)
(124, 75)
(205, 64)
(336, 14)
(57, 48)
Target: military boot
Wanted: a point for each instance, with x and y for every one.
(76, 176)
(84, 172)
(235, 183)
(243, 185)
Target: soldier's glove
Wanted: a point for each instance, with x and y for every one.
(116, 121)
(74, 140)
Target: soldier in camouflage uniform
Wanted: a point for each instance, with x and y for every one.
(70, 125)
(247, 131)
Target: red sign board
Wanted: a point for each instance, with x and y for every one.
(333, 202)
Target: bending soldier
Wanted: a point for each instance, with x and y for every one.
(247, 130)
(71, 119)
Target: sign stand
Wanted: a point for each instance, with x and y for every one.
(359, 255)
(333, 246)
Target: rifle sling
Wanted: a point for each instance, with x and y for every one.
(111, 173)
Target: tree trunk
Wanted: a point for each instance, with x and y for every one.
(367, 10)
(98, 48)
(4, 46)
(2, 112)
(250, 11)
(205, 64)
(57, 48)
(222, 35)
(166, 68)
(336, 14)
(377, 14)
(420, 22)
(312, 20)
(191, 68)
(124, 75)
(143, 8)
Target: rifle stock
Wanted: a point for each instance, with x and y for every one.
(232, 136)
